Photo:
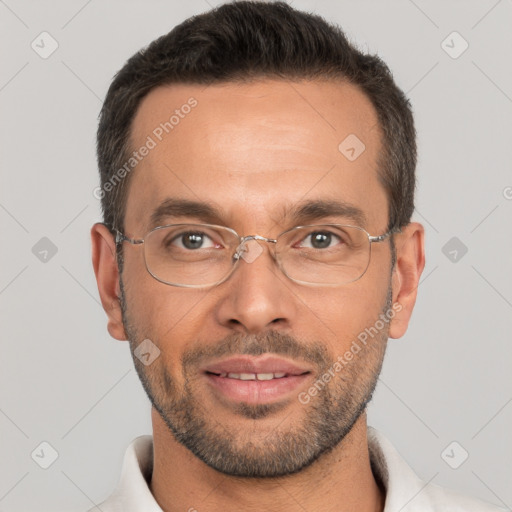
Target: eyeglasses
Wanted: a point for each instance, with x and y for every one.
(204, 255)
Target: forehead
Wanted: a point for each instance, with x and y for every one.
(254, 149)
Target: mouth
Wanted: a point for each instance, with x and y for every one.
(255, 380)
(252, 376)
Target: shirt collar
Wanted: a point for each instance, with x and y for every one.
(403, 489)
(132, 493)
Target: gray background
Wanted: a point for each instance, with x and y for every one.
(66, 382)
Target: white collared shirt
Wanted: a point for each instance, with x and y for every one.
(405, 492)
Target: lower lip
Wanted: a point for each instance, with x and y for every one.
(256, 391)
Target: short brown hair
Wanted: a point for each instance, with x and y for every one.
(251, 40)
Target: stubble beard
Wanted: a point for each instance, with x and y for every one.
(241, 450)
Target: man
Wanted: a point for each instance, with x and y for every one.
(257, 251)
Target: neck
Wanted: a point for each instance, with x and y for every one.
(340, 480)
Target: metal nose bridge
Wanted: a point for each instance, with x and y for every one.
(243, 240)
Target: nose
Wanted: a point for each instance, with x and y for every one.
(256, 297)
(244, 249)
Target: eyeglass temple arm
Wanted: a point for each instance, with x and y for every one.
(383, 237)
(120, 237)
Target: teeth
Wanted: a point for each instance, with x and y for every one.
(265, 376)
(253, 376)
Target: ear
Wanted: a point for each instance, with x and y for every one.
(107, 277)
(410, 262)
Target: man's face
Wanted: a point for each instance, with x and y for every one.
(254, 152)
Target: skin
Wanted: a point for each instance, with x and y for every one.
(253, 150)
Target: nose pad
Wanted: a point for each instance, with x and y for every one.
(249, 250)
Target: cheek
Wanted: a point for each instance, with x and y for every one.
(170, 317)
(151, 311)
(342, 314)
(338, 316)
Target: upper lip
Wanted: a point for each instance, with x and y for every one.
(260, 364)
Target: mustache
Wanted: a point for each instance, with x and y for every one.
(271, 342)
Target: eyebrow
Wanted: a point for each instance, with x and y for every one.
(173, 207)
(314, 210)
(303, 212)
